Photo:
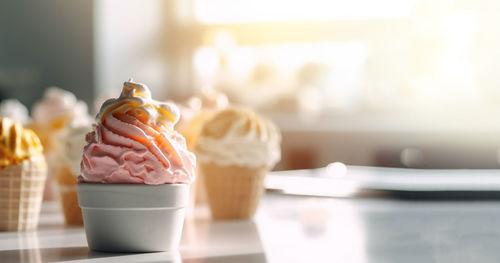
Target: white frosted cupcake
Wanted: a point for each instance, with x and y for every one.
(72, 141)
(51, 115)
(53, 112)
(235, 151)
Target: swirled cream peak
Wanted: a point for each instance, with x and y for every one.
(238, 136)
(133, 141)
(136, 99)
(17, 143)
(57, 108)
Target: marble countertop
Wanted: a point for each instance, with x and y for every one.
(296, 229)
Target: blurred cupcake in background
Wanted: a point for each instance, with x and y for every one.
(51, 115)
(15, 110)
(235, 151)
(72, 141)
(196, 111)
(22, 176)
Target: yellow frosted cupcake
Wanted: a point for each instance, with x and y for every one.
(22, 177)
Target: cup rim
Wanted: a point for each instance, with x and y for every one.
(132, 185)
(131, 195)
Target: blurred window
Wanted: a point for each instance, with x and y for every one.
(333, 56)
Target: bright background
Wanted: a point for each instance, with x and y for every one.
(407, 83)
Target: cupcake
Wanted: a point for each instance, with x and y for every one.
(135, 175)
(22, 177)
(72, 141)
(50, 116)
(195, 112)
(235, 151)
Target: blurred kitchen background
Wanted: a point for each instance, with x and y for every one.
(397, 83)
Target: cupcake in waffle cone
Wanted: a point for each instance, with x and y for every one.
(190, 129)
(70, 151)
(69, 197)
(51, 115)
(197, 110)
(236, 149)
(22, 177)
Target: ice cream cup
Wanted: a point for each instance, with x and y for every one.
(133, 217)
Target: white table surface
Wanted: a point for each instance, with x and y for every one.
(297, 229)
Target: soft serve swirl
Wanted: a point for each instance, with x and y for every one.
(133, 141)
(239, 136)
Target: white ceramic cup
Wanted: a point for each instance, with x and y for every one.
(133, 217)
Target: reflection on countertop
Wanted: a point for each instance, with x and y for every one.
(296, 229)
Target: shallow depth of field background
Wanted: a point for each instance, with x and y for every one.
(400, 83)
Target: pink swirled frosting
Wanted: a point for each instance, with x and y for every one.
(134, 142)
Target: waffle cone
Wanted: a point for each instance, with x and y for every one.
(233, 192)
(21, 191)
(69, 198)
